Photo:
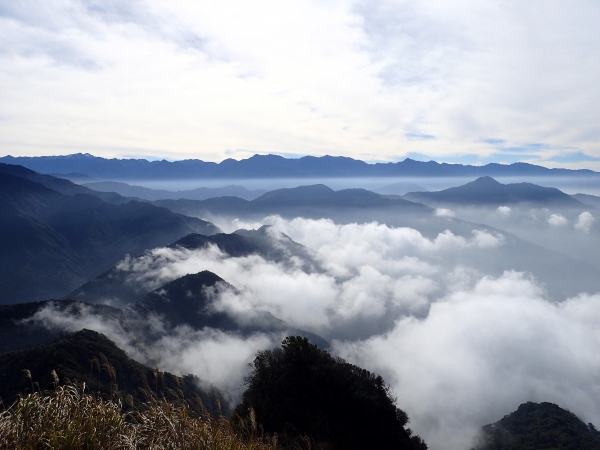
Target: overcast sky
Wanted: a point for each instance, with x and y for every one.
(461, 81)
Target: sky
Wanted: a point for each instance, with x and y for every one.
(465, 81)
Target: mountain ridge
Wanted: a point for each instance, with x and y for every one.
(486, 190)
(307, 201)
(201, 193)
(272, 166)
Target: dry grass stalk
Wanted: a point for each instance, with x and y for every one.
(70, 418)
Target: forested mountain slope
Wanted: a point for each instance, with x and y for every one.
(61, 241)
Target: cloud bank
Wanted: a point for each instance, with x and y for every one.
(459, 347)
(482, 351)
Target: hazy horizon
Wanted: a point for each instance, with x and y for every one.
(569, 185)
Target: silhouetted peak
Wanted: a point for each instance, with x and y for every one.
(485, 181)
(81, 156)
(191, 282)
(269, 157)
(91, 335)
(186, 301)
(193, 241)
(264, 229)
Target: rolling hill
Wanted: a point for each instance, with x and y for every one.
(201, 193)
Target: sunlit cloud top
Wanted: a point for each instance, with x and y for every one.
(466, 81)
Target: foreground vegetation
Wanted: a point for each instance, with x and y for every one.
(299, 390)
(298, 397)
(69, 418)
(91, 358)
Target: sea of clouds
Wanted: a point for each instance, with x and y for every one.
(459, 347)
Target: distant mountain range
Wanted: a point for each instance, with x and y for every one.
(201, 193)
(63, 241)
(313, 201)
(270, 166)
(400, 188)
(487, 191)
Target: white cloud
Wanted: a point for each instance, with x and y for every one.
(444, 212)
(585, 221)
(460, 347)
(368, 272)
(218, 358)
(483, 239)
(557, 220)
(484, 350)
(503, 210)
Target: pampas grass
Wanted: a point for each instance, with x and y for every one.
(70, 418)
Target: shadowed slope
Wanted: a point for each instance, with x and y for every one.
(90, 357)
(59, 184)
(187, 300)
(62, 240)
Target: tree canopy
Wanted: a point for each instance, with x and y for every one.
(300, 390)
(540, 426)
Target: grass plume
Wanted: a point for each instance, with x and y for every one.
(70, 418)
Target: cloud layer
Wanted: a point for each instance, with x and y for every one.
(484, 350)
(459, 347)
(475, 82)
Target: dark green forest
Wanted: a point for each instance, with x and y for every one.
(299, 390)
(540, 426)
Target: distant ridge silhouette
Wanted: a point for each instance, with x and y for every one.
(486, 190)
(271, 166)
